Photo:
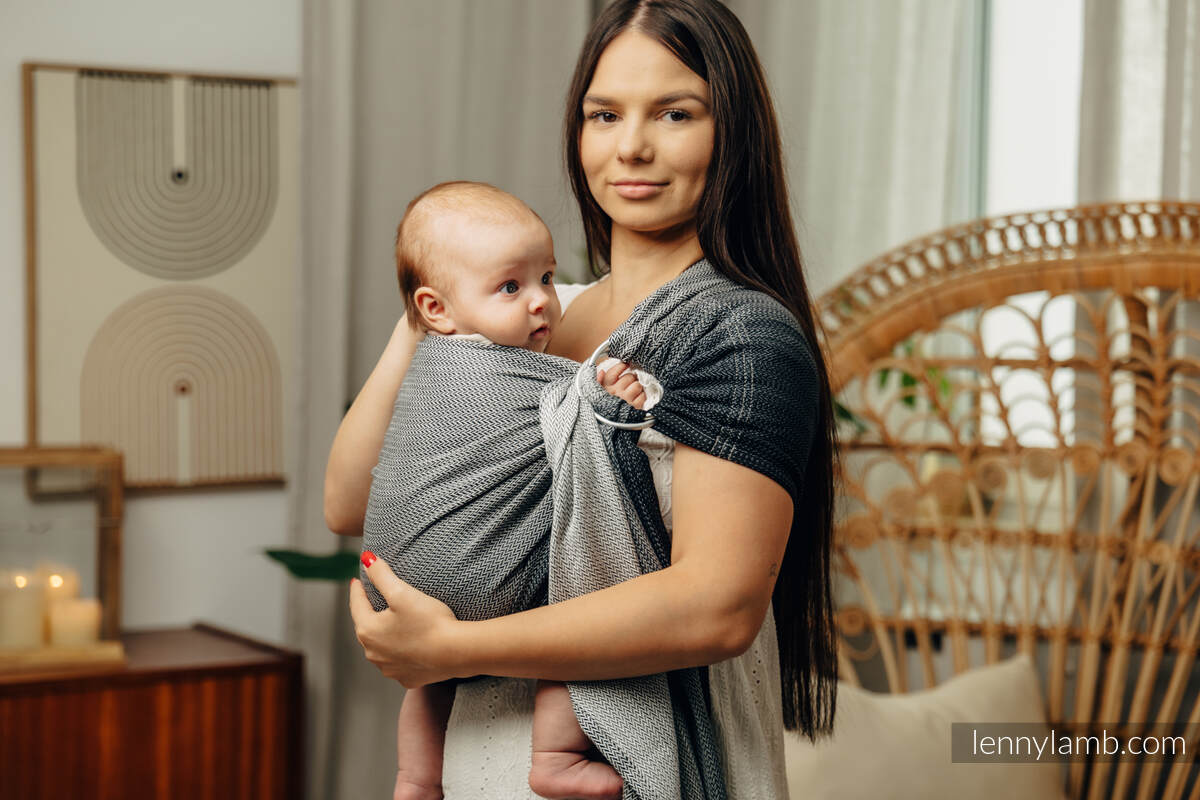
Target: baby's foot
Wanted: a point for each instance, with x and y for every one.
(571, 776)
(409, 789)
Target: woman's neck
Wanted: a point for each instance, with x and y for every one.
(641, 262)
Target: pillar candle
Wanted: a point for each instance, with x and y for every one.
(22, 603)
(61, 582)
(74, 622)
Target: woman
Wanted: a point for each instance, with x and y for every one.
(674, 157)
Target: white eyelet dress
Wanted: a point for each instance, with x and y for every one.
(488, 740)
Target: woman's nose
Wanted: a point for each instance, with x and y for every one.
(634, 145)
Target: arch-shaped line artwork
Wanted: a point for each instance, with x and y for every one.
(176, 207)
(186, 382)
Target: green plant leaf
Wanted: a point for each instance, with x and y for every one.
(339, 566)
(907, 381)
(846, 415)
(883, 376)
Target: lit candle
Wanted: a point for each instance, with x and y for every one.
(22, 600)
(74, 622)
(61, 582)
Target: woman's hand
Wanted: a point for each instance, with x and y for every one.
(400, 639)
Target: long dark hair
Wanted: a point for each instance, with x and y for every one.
(745, 231)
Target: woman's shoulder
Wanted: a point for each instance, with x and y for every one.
(738, 317)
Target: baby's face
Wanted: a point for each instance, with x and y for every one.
(504, 283)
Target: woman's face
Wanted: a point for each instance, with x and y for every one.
(647, 135)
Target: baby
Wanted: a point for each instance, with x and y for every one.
(473, 260)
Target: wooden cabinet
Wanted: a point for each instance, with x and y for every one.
(196, 713)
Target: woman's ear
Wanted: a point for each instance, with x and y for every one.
(432, 308)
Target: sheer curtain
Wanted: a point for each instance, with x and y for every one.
(1140, 109)
(315, 609)
(880, 109)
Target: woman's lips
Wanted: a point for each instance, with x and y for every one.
(637, 190)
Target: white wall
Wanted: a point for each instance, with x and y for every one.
(188, 556)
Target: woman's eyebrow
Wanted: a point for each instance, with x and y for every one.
(675, 97)
(666, 99)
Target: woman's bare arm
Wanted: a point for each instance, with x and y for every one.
(360, 436)
(731, 527)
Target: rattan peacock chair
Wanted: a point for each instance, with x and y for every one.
(1020, 410)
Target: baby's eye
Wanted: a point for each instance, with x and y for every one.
(509, 287)
(547, 278)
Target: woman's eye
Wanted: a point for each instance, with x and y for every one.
(603, 116)
(675, 115)
(509, 287)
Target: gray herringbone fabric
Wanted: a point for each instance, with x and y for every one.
(497, 488)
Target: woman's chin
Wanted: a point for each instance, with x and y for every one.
(649, 223)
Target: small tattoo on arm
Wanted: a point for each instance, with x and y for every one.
(774, 570)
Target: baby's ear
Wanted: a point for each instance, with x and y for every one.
(432, 308)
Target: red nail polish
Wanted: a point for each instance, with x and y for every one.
(368, 558)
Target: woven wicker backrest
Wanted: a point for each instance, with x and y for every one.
(1020, 404)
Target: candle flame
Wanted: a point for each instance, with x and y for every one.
(56, 581)
(21, 581)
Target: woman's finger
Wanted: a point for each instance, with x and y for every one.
(395, 591)
(360, 606)
(364, 616)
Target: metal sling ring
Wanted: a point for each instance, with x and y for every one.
(590, 364)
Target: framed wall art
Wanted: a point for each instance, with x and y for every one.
(162, 228)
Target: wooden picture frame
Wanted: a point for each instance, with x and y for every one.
(176, 348)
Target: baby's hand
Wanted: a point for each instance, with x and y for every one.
(620, 381)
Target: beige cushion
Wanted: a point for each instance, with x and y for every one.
(898, 746)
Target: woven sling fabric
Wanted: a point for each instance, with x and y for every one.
(497, 488)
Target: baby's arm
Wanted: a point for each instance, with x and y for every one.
(620, 381)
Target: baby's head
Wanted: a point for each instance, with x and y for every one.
(473, 259)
